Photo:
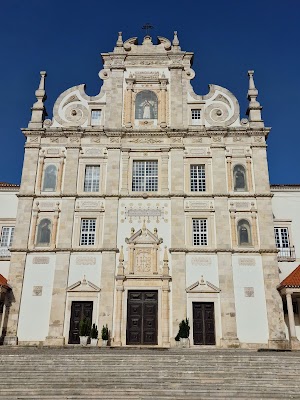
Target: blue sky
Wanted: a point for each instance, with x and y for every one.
(228, 37)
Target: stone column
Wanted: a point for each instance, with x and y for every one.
(254, 229)
(291, 316)
(229, 173)
(163, 88)
(60, 174)
(154, 260)
(233, 228)
(249, 174)
(34, 220)
(118, 315)
(164, 172)
(131, 259)
(128, 104)
(40, 171)
(165, 314)
(125, 169)
(54, 230)
(59, 296)
(179, 297)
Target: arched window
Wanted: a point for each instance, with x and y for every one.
(146, 105)
(239, 178)
(50, 174)
(44, 232)
(244, 232)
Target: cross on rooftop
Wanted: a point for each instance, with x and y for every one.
(147, 27)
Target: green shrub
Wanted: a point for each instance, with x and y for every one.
(184, 329)
(94, 332)
(104, 333)
(84, 327)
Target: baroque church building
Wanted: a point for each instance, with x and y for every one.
(145, 205)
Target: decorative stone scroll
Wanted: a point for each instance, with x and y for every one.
(249, 291)
(53, 151)
(85, 260)
(192, 205)
(37, 290)
(92, 152)
(89, 205)
(132, 213)
(251, 262)
(198, 152)
(199, 261)
(40, 260)
(242, 205)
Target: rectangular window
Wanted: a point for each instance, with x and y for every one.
(196, 116)
(283, 242)
(88, 232)
(96, 117)
(7, 235)
(145, 176)
(198, 178)
(200, 232)
(91, 178)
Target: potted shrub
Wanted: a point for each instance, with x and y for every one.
(94, 335)
(177, 340)
(104, 335)
(84, 331)
(184, 332)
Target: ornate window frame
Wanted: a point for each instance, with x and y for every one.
(83, 163)
(206, 161)
(210, 227)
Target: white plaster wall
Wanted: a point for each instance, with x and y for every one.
(8, 205)
(85, 264)
(286, 206)
(35, 310)
(198, 265)
(251, 312)
(4, 268)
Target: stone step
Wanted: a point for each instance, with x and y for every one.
(85, 373)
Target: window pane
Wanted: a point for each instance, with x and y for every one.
(7, 235)
(91, 179)
(96, 117)
(199, 232)
(88, 232)
(198, 178)
(50, 178)
(145, 176)
(282, 238)
(196, 114)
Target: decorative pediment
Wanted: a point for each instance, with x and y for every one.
(83, 286)
(144, 236)
(202, 286)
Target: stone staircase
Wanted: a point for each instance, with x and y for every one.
(143, 374)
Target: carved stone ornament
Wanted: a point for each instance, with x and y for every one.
(251, 262)
(82, 260)
(40, 260)
(37, 290)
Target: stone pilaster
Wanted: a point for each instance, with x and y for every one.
(164, 173)
(16, 278)
(66, 222)
(179, 297)
(249, 174)
(113, 171)
(71, 170)
(177, 168)
(227, 301)
(59, 296)
(229, 173)
(29, 173)
(125, 168)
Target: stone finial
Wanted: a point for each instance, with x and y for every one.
(165, 262)
(38, 109)
(120, 271)
(166, 258)
(175, 41)
(155, 232)
(120, 40)
(254, 107)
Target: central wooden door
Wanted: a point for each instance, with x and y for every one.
(141, 317)
(79, 310)
(204, 323)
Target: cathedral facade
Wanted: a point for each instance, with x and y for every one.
(145, 205)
